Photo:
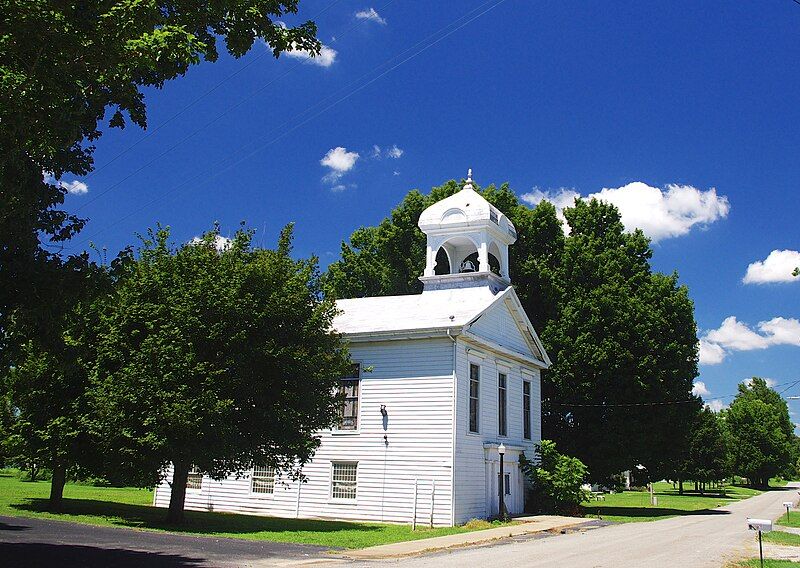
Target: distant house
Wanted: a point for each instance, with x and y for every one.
(440, 380)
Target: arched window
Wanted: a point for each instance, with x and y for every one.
(494, 262)
(442, 262)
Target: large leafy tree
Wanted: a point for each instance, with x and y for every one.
(623, 339)
(214, 358)
(707, 452)
(67, 69)
(46, 376)
(761, 432)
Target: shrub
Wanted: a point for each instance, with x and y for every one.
(556, 480)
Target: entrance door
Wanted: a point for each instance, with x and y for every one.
(512, 488)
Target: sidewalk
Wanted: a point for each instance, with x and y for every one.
(528, 525)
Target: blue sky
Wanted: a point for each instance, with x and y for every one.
(687, 114)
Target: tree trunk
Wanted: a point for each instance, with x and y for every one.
(680, 487)
(180, 475)
(57, 486)
(695, 486)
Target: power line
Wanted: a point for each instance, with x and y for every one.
(251, 61)
(208, 175)
(196, 131)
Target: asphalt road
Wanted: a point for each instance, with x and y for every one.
(29, 543)
(707, 540)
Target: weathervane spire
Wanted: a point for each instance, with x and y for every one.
(469, 179)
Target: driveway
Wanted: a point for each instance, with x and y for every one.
(41, 543)
(705, 540)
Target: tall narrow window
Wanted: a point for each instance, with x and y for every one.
(526, 409)
(263, 480)
(343, 480)
(474, 391)
(502, 422)
(349, 387)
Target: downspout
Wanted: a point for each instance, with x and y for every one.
(455, 431)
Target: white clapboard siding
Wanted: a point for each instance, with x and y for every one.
(414, 379)
(473, 490)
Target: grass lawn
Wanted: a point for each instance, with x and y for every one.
(768, 563)
(634, 506)
(782, 538)
(130, 507)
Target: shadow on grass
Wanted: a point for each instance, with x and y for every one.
(645, 512)
(196, 522)
(29, 554)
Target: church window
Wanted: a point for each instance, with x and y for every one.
(344, 476)
(526, 410)
(349, 390)
(263, 480)
(474, 392)
(502, 397)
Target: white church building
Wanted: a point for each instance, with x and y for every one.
(440, 380)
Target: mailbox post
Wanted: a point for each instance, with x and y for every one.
(788, 505)
(760, 525)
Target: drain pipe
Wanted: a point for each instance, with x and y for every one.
(455, 432)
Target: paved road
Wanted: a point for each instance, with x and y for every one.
(28, 543)
(695, 541)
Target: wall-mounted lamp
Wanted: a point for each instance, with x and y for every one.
(383, 411)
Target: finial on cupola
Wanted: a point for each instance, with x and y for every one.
(469, 179)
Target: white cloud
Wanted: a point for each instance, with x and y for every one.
(699, 389)
(376, 151)
(338, 188)
(220, 243)
(395, 173)
(716, 405)
(371, 15)
(326, 58)
(734, 335)
(770, 382)
(340, 161)
(73, 187)
(777, 267)
(395, 152)
(660, 213)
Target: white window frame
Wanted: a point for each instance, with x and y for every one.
(502, 405)
(331, 496)
(527, 411)
(477, 399)
(193, 471)
(254, 476)
(337, 430)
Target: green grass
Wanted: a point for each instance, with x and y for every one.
(782, 537)
(130, 507)
(792, 521)
(634, 506)
(768, 563)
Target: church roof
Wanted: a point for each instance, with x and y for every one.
(435, 309)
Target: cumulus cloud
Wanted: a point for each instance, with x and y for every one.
(339, 161)
(734, 335)
(372, 15)
(74, 187)
(777, 267)
(716, 405)
(770, 382)
(699, 389)
(220, 243)
(660, 213)
(394, 152)
(326, 58)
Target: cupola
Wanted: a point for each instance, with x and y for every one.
(468, 242)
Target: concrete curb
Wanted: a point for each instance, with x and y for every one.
(486, 536)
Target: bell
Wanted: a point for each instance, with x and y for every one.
(467, 266)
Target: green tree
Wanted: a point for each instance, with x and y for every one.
(214, 359)
(47, 378)
(67, 69)
(761, 432)
(707, 456)
(556, 479)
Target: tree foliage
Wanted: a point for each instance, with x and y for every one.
(217, 359)
(707, 452)
(557, 480)
(761, 432)
(67, 69)
(619, 335)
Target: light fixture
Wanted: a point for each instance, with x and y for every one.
(383, 411)
(501, 449)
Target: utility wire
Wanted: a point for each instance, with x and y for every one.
(250, 62)
(196, 131)
(208, 175)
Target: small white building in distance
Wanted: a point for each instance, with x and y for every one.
(440, 380)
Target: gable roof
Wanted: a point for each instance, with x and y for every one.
(429, 313)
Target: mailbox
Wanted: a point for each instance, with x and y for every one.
(761, 525)
(788, 504)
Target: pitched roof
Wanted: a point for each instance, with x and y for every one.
(433, 309)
